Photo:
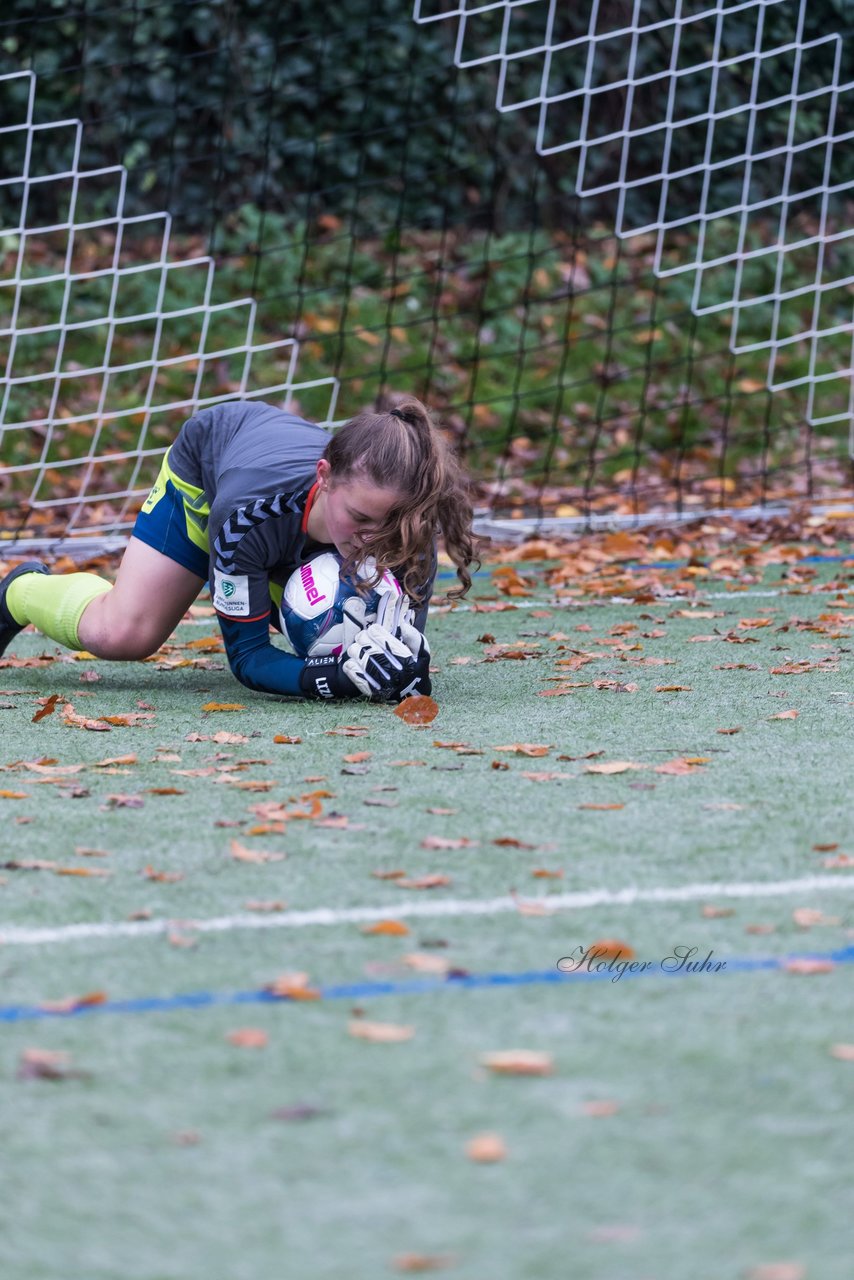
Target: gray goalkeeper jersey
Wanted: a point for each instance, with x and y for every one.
(255, 465)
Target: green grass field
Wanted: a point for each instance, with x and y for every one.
(693, 1124)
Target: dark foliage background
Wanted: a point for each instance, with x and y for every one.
(355, 109)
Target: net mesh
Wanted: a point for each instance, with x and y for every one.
(611, 248)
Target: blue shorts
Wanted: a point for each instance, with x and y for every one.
(173, 521)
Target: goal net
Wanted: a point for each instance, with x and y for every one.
(610, 244)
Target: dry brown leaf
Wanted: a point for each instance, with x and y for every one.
(242, 854)
(389, 928)
(379, 1032)
(486, 1148)
(48, 706)
(132, 718)
(542, 873)
(716, 913)
(89, 872)
(525, 749)
(674, 688)
(356, 757)
(162, 877)
(46, 1064)
(348, 731)
(510, 842)
(417, 709)
(286, 738)
(807, 917)
(776, 1271)
(223, 706)
(448, 842)
(423, 1261)
(14, 795)
(70, 1003)
(826, 848)
(292, 986)
(678, 767)
(518, 1062)
(268, 905)
(426, 962)
(601, 806)
(600, 1107)
(612, 766)
(424, 882)
(737, 729)
(808, 965)
(784, 715)
(612, 949)
(248, 1038)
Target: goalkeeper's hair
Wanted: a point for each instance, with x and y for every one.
(403, 449)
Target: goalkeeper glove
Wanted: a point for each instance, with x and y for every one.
(419, 650)
(375, 665)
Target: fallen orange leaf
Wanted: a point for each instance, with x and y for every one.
(446, 842)
(424, 882)
(600, 1107)
(417, 709)
(612, 766)
(48, 706)
(486, 1148)
(612, 949)
(248, 1038)
(808, 965)
(784, 715)
(518, 1062)
(389, 928)
(379, 1032)
(423, 1261)
(525, 749)
(223, 706)
(242, 854)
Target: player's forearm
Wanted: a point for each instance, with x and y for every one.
(256, 663)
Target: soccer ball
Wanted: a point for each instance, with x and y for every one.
(312, 611)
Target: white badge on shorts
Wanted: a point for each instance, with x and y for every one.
(231, 594)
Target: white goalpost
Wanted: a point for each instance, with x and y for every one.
(69, 372)
(110, 262)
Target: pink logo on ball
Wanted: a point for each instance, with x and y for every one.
(312, 595)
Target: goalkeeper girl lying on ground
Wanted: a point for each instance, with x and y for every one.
(246, 494)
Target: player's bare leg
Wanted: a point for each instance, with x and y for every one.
(150, 597)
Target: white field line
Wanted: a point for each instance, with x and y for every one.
(20, 935)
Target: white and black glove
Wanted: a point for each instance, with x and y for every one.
(393, 611)
(375, 665)
(419, 650)
(396, 616)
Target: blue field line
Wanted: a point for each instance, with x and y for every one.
(416, 986)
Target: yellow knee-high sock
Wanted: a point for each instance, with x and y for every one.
(54, 605)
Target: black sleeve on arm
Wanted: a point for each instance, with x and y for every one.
(426, 590)
(255, 661)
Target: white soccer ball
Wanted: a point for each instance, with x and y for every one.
(312, 610)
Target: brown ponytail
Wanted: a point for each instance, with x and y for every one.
(402, 449)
